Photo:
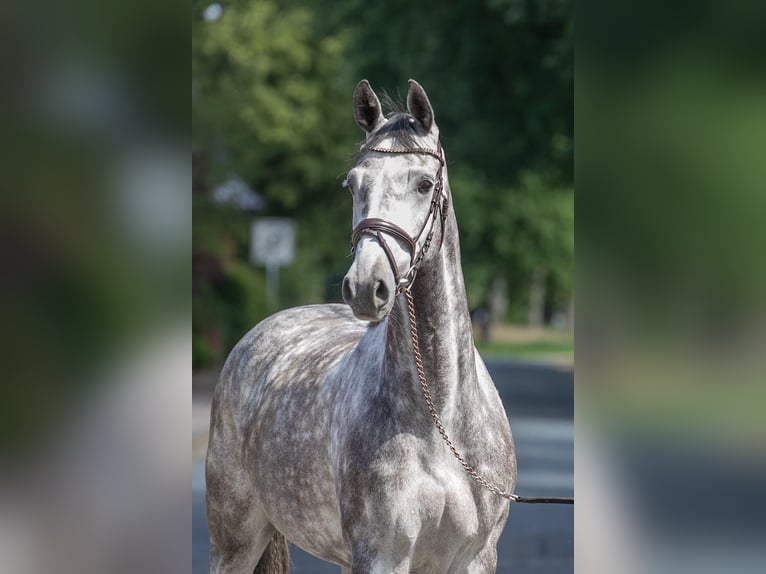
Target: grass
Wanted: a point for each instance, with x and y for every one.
(545, 345)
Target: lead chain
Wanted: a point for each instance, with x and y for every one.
(471, 471)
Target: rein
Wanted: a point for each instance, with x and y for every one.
(376, 227)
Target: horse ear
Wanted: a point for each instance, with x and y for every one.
(367, 110)
(419, 106)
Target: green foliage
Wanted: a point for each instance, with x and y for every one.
(500, 80)
(226, 309)
(512, 231)
(269, 106)
(244, 293)
(271, 93)
(500, 76)
(269, 100)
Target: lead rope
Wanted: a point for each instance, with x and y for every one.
(472, 472)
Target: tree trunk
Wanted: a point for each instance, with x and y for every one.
(536, 315)
(497, 300)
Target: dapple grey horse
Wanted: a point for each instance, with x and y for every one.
(320, 433)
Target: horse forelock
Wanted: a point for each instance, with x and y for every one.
(400, 131)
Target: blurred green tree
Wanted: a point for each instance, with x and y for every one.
(268, 107)
(271, 90)
(500, 76)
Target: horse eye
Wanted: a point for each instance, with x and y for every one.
(425, 186)
(347, 185)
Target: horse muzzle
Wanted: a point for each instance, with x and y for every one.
(369, 289)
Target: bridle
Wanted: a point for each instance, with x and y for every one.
(377, 227)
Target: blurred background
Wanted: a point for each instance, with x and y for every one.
(671, 332)
(95, 238)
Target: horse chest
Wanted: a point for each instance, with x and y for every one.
(408, 482)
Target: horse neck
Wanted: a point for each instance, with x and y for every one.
(444, 329)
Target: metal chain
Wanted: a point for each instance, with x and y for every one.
(472, 472)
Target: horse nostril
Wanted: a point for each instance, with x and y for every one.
(381, 294)
(346, 291)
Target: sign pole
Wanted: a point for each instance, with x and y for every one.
(272, 285)
(272, 244)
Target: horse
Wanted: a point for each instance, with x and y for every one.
(324, 430)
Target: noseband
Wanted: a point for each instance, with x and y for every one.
(377, 227)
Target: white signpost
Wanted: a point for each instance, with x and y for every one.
(272, 244)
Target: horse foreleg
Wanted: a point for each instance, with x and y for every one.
(380, 566)
(234, 555)
(239, 531)
(239, 528)
(379, 561)
(485, 562)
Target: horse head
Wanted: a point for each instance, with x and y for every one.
(400, 200)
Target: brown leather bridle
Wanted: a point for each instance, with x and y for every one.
(377, 227)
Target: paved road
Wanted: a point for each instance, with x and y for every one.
(539, 401)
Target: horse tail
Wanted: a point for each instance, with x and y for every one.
(276, 557)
